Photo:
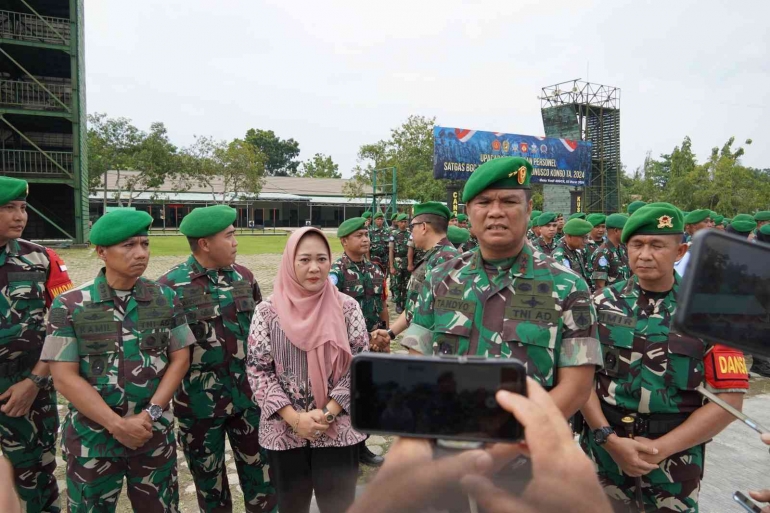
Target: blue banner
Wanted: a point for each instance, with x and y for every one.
(458, 152)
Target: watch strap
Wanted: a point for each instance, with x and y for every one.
(391, 334)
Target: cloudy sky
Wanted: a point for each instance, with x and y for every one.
(337, 74)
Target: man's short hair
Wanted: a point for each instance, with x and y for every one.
(438, 224)
(193, 242)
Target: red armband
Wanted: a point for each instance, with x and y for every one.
(58, 279)
(726, 368)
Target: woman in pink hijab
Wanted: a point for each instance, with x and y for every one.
(302, 340)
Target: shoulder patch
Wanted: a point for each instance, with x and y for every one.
(726, 368)
(603, 261)
(566, 263)
(333, 278)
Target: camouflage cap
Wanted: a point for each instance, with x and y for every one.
(351, 225)
(654, 219)
(457, 235)
(432, 207)
(763, 215)
(500, 173)
(634, 206)
(207, 221)
(535, 214)
(697, 216)
(402, 217)
(616, 221)
(545, 218)
(743, 225)
(119, 225)
(577, 227)
(578, 215)
(12, 189)
(366, 215)
(379, 215)
(596, 219)
(461, 218)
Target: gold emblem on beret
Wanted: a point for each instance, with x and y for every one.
(665, 222)
(521, 174)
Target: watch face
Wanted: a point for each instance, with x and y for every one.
(329, 418)
(155, 412)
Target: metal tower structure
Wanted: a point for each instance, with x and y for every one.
(384, 191)
(590, 112)
(43, 113)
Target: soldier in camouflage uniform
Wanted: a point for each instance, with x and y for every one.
(458, 237)
(399, 274)
(507, 299)
(379, 236)
(214, 401)
(531, 235)
(115, 346)
(31, 276)
(545, 243)
(569, 251)
(610, 262)
(559, 227)
(651, 373)
(596, 237)
(362, 280)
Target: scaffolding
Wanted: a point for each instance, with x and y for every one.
(384, 192)
(589, 112)
(43, 114)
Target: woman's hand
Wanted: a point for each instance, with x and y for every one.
(311, 424)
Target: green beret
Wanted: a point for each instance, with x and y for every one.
(461, 218)
(559, 214)
(743, 217)
(596, 219)
(379, 215)
(578, 215)
(119, 225)
(393, 217)
(366, 215)
(654, 219)
(351, 225)
(535, 214)
(697, 216)
(432, 207)
(402, 217)
(577, 227)
(500, 173)
(765, 229)
(717, 219)
(545, 218)
(453, 216)
(616, 221)
(207, 221)
(634, 206)
(457, 235)
(743, 225)
(12, 189)
(764, 215)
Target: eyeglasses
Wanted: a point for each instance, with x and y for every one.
(411, 226)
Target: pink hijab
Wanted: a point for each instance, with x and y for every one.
(313, 322)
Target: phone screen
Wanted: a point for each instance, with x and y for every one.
(727, 292)
(435, 398)
(747, 503)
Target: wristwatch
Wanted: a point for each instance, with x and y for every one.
(330, 417)
(43, 383)
(602, 434)
(155, 411)
(391, 334)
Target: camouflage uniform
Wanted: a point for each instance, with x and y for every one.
(122, 342)
(558, 237)
(650, 369)
(527, 307)
(610, 264)
(531, 237)
(544, 247)
(572, 259)
(400, 239)
(214, 398)
(437, 255)
(378, 249)
(590, 249)
(29, 441)
(364, 282)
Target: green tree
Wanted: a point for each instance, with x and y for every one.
(320, 166)
(279, 153)
(113, 144)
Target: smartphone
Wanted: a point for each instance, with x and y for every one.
(448, 398)
(725, 295)
(747, 503)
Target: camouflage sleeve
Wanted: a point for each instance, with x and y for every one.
(579, 337)
(257, 291)
(60, 345)
(725, 370)
(600, 265)
(181, 335)
(260, 367)
(335, 275)
(419, 335)
(359, 342)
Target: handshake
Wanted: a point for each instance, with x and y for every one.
(379, 341)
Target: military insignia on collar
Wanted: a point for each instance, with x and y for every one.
(665, 222)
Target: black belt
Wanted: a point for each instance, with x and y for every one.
(648, 425)
(23, 363)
